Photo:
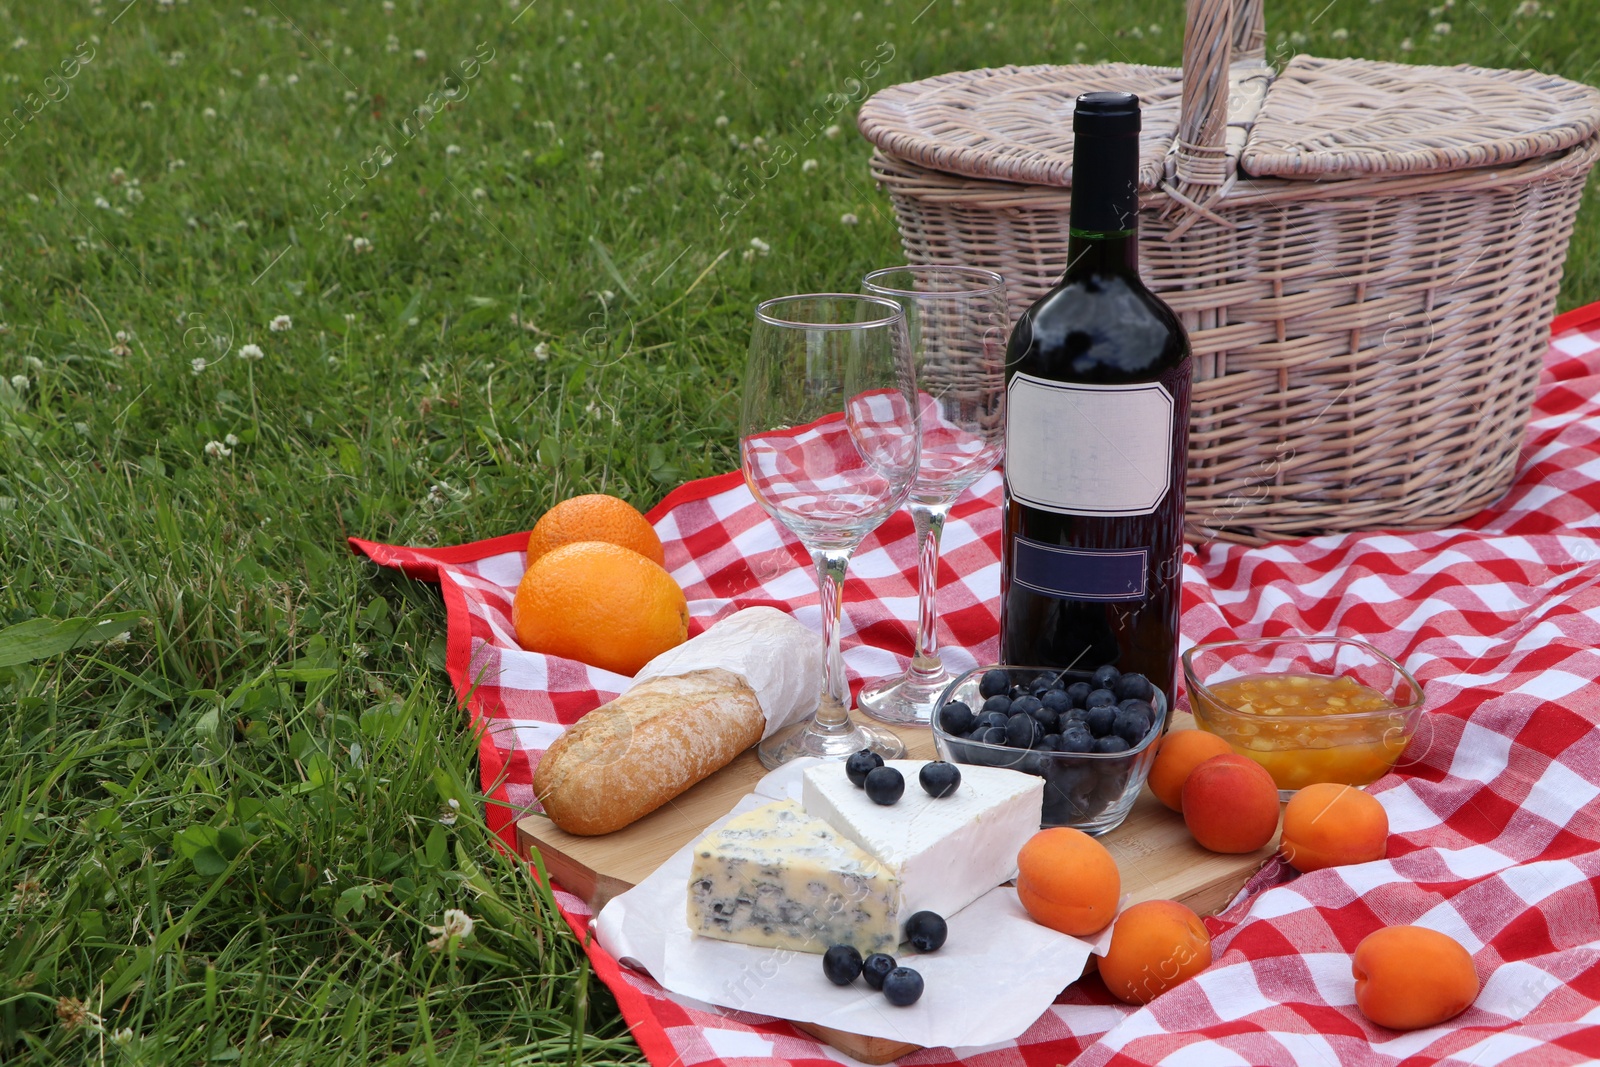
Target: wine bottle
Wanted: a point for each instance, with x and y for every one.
(1097, 420)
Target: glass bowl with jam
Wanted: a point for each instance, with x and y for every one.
(1308, 709)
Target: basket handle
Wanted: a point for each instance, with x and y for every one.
(1217, 33)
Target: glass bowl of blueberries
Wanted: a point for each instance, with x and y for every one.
(1091, 735)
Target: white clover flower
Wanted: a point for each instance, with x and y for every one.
(293, 79)
(360, 244)
(197, 365)
(479, 192)
(252, 353)
(1080, 47)
(412, 321)
(831, 132)
(217, 449)
(1526, 9)
(577, 65)
(230, 440)
(857, 17)
(19, 382)
(349, 317)
(452, 150)
(434, 216)
(392, 45)
(609, 57)
(101, 202)
(1155, 27)
(241, 224)
(208, 113)
(1341, 34)
(1442, 29)
(606, 295)
(175, 59)
(758, 143)
(1406, 45)
(134, 194)
(748, 254)
(118, 176)
(849, 218)
(125, 1035)
(351, 96)
(451, 813)
(516, 78)
(808, 166)
(419, 54)
(34, 363)
(388, 7)
(721, 122)
(280, 323)
(19, 44)
(759, 246)
(541, 351)
(177, 164)
(263, 80)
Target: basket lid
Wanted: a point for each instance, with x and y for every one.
(1014, 124)
(1328, 118)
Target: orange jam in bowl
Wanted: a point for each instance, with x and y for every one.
(1307, 709)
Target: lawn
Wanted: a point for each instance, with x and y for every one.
(272, 277)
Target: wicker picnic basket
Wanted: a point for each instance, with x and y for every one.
(1366, 255)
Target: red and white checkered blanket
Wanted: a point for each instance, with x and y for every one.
(1495, 821)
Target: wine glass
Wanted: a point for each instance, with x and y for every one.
(957, 320)
(828, 444)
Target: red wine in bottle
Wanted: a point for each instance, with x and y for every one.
(1097, 420)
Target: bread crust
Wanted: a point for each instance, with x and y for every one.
(625, 759)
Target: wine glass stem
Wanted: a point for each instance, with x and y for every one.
(833, 713)
(929, 521)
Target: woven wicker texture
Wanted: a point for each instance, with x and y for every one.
(1015, 123)
(1366, 349)
(1336, 117)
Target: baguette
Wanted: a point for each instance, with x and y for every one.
(624, 760)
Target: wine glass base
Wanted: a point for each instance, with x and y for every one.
(808, 739)
(910, 698)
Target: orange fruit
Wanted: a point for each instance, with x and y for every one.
(1154, 946)
(595, 517)
(1068, 881)
(599, 603)
(1410, 977)
(1181, 751)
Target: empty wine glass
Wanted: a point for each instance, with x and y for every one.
(828, 445)
(957, 321)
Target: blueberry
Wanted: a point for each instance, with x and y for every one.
(926, 930)
(994, 718)
(1022, 731)
(841, 963)
(1078, 692)
(1141, 706)
(1026, 705)
(1077, 739)
(1056, 700)
(1050, 743)
(860, 764)
(1131, 725)
(939, 779)
(875, 967)
(1105, 677)
(902, 986)
(885, 785)
(1100, 720)
(1041, 685)
(956, 717)
(1111, 743)
(994, 735)
(1000, 702)
(1135, 686)
(1048, 720)
(1068, 793)
(994, 682)
(1100, 698)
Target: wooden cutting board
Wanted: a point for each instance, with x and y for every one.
(1157, 857)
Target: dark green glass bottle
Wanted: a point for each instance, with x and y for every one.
(1098, 375)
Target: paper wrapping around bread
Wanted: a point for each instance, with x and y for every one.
(777, 657)
(702, 704)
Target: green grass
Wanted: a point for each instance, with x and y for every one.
(226, 836)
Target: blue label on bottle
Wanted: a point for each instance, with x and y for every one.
(1080, 573)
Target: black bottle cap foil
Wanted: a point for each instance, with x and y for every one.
(1105, 163)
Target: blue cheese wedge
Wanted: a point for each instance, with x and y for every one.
(775, 877)
(946, 852)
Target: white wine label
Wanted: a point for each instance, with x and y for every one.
(1088, 449)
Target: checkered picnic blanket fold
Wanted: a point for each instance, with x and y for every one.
(1494, 817)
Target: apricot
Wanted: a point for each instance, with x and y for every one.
(1230, 804)
(1068, 881)
(1325, 825)
(1181, 751)
(1155, 945)
(1410, 977)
